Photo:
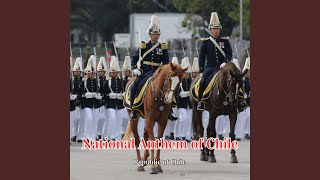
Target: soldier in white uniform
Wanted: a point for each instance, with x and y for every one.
(91, 100)
(126, 69)
(102, 69)
(75, 98)
(184, 104)
(114, 100)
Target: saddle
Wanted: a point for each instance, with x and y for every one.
(212, 79)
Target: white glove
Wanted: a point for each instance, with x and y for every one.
(137, 72)
(73, 97)
(98, 96)
(223, 64)
(123, 94)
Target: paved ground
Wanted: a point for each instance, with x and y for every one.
(121, 164)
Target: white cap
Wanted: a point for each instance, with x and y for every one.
(78, 65)
(90, 65)
(185, 63)
(126, 64)
(175, 60)
(214, 21)
(114, 64)
(195, 65)
(154, 25)
(102, 65)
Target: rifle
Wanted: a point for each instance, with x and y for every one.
(95, 67)
(71, 73)
(121, 79)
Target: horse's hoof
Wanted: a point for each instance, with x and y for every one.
(140, 168)
(233, 159)
(203, 157)
(212, 159)
(159, 168)
(153, 170)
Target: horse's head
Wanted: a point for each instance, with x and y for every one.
(173, 78)
(232, 81)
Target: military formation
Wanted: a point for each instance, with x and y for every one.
(97, 92)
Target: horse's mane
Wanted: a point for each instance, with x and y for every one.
(225, 71)
(163, 69)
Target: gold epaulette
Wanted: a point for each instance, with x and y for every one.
(108, 78)
(142, 45)
(226, 37)
(84, 78)
(164, 46)
(204, 39)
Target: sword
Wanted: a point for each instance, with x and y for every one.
(184, 53)
(81, 62)
(95, 67)
(105, 47)
(235, 45)
(248, 53)
(197, 48)
(140, 57)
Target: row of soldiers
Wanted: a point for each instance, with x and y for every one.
(96, 100)
(97, 111)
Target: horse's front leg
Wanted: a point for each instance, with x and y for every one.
(134, 128)
(233, 121)
(211, 133)
(162, 123)
(149, 126)
(200, 132)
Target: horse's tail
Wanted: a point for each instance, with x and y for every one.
(128, 135)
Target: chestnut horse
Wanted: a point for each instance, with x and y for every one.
(223, 100)
(157, 106)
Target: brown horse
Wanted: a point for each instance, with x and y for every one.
(223, 100)
(157, 106)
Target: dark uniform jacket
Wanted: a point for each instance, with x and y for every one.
(247, 90)
(209, 52)
(184, 102)
(77, 89)
(73, 102)
(91, 87)
(116, 87)
(102, 81)
(158, 55)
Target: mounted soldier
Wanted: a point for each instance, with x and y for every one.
(153, 55)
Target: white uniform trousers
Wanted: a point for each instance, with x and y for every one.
(247, 121)
(205, 121)
(105, 127)
(72, 119)
(239, 125)
(222, 124)
(125, 120)
(81, 126)
(102, 119)
(141, 126)
(91, 122)
(115, 121)
(185, 122)
(75, 123)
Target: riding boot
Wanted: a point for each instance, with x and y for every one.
(133, 114)
(201, 105)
